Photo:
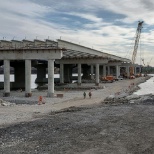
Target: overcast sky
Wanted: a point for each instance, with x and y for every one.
(105, 25)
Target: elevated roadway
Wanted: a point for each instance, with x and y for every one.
(61, 53)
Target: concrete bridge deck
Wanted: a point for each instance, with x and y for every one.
(62, 54)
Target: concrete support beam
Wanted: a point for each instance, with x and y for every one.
(50, 78)
(61, 73)
(92, 72)
(134, 70)
(79, 74)
(37, 54)
(140, 69)
(76, 47)
(6, 78)
(108, 70)
(104, 70)
(97, 74)
(82, 61)
(127, 71)
(28, 78)
(112, 70)
(117, 71)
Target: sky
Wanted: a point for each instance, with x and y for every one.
(105, 25)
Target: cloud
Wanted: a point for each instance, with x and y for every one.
(104, 25)
(132, 10)
(89, 17)
(23, 8)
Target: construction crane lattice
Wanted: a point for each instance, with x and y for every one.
(138, 33)
(137, 38)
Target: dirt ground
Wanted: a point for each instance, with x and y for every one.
(74, 125)
(27, 108)
(101, 129)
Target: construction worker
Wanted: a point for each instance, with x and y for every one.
(84, 94)
(90, 94)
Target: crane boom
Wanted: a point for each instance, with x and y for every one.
(137, 38)
(138, 33)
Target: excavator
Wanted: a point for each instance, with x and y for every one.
(137, 38)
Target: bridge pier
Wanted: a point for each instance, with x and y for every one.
(79, 74)
(61, 73)
(127, 71)
(117, 71)
(50, 78)
(6, 78)
(135, 71)
(108, 70)
(92, 72)
(104, 70)
(28, 78)
(97, 75)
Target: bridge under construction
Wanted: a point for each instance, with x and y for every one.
(48, 54)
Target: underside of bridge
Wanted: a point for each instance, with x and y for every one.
(46, 56)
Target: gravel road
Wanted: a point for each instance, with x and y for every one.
(74, 125)
(103, 129)
(27, 109)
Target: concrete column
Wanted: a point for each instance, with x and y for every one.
(79, 74)
(97, 74)
(117, 71)
(28, 78)
(104, 70)
(101, 70)
(127, 71)
(50, 78)
(92, 72)
(134, 70)
(111, 70)
(61, 73)
(140, 69)
(6, 78)
(108, 70)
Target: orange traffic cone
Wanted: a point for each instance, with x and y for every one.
(40, 100)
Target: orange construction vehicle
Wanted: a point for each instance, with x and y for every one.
(108, 78)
